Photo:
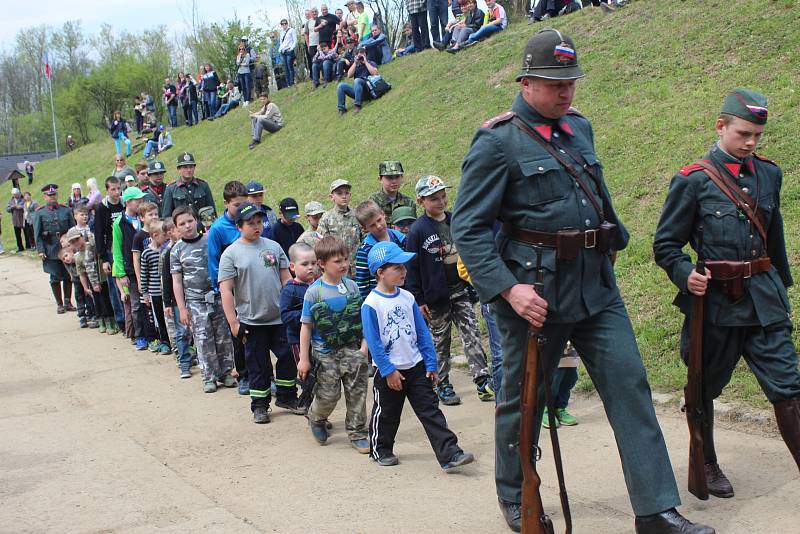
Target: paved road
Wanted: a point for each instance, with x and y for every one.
(95, 437)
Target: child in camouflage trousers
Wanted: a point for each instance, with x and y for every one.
(331, 328)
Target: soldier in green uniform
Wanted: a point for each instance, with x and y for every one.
(535, 169)
(51, 221)
(187, 190)
(390, 175)
(153, 190)
(747, 270)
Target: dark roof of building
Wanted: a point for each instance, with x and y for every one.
(15, 162)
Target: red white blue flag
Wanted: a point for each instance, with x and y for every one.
(48, 72)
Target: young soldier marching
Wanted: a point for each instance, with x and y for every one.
(740, 227)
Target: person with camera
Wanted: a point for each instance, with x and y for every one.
(359, 70)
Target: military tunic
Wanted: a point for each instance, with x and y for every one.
(345, 226)
(195, 193)
(50, 222)
(758, 326)
(508, 176)
(388, 205)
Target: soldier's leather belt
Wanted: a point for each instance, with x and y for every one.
(567, 242)
(729, 276)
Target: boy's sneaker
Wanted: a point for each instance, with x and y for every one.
(141, 343)
(565, 418)
(60, 309)
(260, 415)
(186, 374)
(209, 386)
(546, 420)
(69, 307)
(163, 348)
(244, 386)
(319, 432)
(388, 460)
(460, 458)
(446, 394)
(228, 381)
(486, 390)
(153, 346)
(361, 445)
(292, 405)
(83, 322)
(93, 323)
(112, 328)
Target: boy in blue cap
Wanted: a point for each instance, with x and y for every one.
(402, 350)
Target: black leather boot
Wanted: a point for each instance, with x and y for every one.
(718, 483)
(55, 287)
(669, 522)
(787, 414)
(511, 513)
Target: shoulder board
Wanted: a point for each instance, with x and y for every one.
(503, 117)
(64, 206)
(40, 208)
(173, 182)
(689, 169)
(762, 158)
(574, 111)
(199, 180)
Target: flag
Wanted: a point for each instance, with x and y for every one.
(47, 72)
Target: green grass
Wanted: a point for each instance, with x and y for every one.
(656, 75)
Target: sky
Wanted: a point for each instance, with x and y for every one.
(133, 15)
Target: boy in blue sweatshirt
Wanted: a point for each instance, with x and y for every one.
(373, 221)
(402, 350)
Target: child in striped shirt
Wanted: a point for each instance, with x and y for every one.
(150, 283)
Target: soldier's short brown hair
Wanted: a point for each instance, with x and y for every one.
(366, 211)
(330, 247)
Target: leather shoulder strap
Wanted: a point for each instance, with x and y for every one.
(731, 190)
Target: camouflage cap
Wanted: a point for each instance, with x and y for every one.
(550, 54)
(336, 184)
(314, 208)
(402, 214)
(73, 233)
(185, 159)
(390, 168)
(747, 105)
(156, 167)
(428, 185)
(206, 215)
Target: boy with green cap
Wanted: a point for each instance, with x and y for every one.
(727, 208)
(389, 198)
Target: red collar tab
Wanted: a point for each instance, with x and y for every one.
(751, 165)
(734, 168)
(564, 126)
(545, 130)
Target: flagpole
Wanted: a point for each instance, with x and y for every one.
(53, 111)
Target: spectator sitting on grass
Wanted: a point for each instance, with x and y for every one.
(378, 50)
(164, 138)
(346, 59)
(471, 22)
(323, 60)
(151, 146)
(233, 97)
(267, 118)
(408, 44)
(495, 20)
(359, 70)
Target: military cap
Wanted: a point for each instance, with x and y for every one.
(206, 215)
(746, 104)
(314, 208)
(185, 159)
(428, 185)
(50, 189)
(253, 188)
(247, 211)
(550, 54)
(156, 167)
(132, 193)
(390, 168)
(73, 233)
(336, 184)
(289, 208)
(402, 214)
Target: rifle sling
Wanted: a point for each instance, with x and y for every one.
(516, 121)
(742, 200)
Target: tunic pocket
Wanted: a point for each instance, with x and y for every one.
(542, 180)
(721, 224)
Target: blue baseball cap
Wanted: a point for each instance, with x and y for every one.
(254, 188)
(387, 252)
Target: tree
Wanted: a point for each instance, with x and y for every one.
(393, 15)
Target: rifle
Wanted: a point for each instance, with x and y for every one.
(533, 518)
(693, 392)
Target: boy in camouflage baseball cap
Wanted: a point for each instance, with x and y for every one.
(389, 198)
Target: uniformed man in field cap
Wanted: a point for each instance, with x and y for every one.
(51, 221)
(187, 190)
(535, 168)
(747, 270)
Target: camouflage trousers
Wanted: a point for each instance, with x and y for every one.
(212, 338)
(460, 312)
(343, 367)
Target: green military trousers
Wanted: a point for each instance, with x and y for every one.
(609, 352)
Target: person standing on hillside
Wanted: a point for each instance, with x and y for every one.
(288, 44)
(52, 220)
(747, 308)
(535, 168)
(187, 190)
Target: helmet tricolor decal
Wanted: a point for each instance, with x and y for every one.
(758, 111)
(564, 53)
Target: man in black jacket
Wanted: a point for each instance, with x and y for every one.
(108, 211)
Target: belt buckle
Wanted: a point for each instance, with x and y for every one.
(590, 243)
(748, 268)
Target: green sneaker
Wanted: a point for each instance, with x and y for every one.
(546, 420)
(153, 345)
(102, 325)
(565, 418)
(209, 386)
(228, 381)
(485, 390)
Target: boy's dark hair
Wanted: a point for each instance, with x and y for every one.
(233, 190)
(167, 225)
(112, 180)
(181, 210)
(144, 207)
(366, 211)
(264, 94)
(297, 249)
(329, 247)
(80, 208)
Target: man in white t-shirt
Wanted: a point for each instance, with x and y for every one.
(312, 36)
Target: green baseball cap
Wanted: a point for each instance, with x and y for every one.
(156, 167)
(428, 185)
(314, 208)
(336, 184)
(550, 54)
(403, 214)
(390, 168)
(746, 104)
(132, 193)
(185, 159)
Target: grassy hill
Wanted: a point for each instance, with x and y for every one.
(656, 74)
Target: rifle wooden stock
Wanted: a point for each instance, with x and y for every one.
(693, 397)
